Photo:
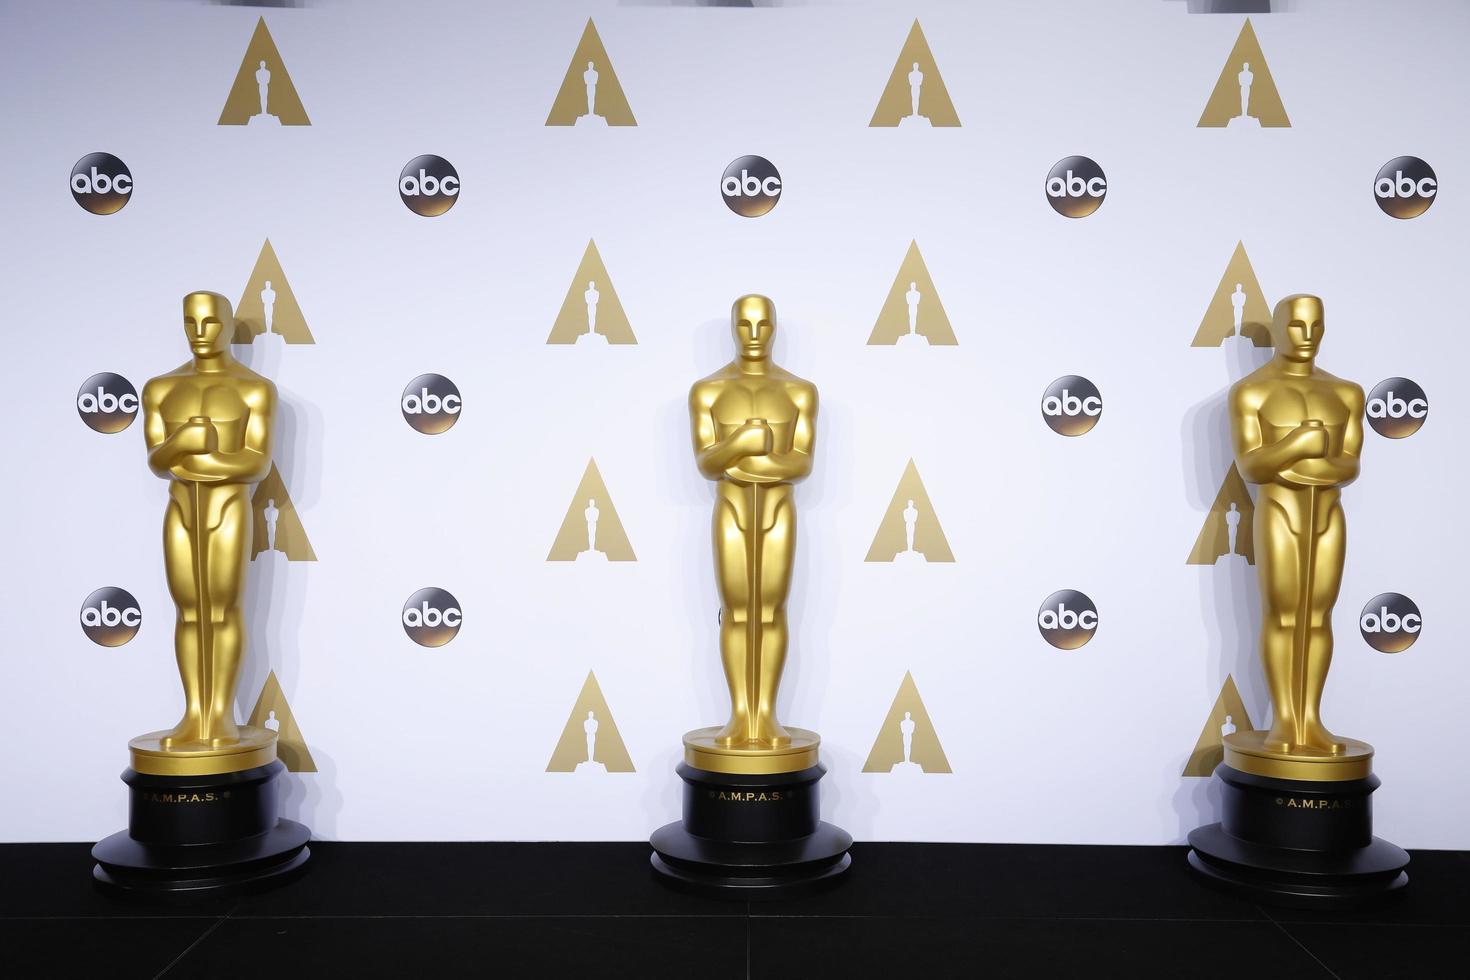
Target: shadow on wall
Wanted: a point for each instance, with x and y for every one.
(276, 596)
(1229, 597)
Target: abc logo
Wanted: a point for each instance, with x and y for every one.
(111, 617)
(1390, 622)
(1405, 187)
(1067, 619)
(431, 617)
(1397, 408)
(429, 185)
(107, 402)
(101, 183)
(431, 404)
(751, 186)
(1076, 186)
(1071, 405)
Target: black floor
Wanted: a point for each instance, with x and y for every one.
(593, 911)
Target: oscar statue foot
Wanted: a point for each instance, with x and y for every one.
(750, 837)
(191, 838)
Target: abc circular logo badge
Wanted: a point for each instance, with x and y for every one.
(1397, 408)
(1405, 187)
(1076, 186)
(751, 186)
(431, 617)
(1071, 405)
(431, 404)
(1067, 619)
(1390, 622)
(101, 183)
(107, 402)
(428, 185)
(111, 617)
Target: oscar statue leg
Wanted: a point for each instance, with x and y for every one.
(775, 581)
(732, 576)
(228, 546)
(178, 560)
(1325, 585)
(1278, 565)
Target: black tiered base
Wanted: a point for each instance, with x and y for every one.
(1297, 843)
(750, 837)
(197, 837)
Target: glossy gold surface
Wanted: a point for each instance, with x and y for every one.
(754, 428)
(208, 428)
(705, 748)
(1297, 432)
(1248, 752)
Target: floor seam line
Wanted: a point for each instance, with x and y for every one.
(1302, 946)
(189, 948)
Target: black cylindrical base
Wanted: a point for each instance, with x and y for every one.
(196, 837)
(750, 837)
(1302, 844)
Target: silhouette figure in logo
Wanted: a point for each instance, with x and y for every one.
(271, 513)
(1245, 78)
(1237, 302)
(1228, 728)
(268, 303)
(589, 78)
(591, 513)
(906, 728)
(913, 296)
(263, 82)
(910, 521)
(916, 81)
(589, 727)
(1232, 524)
(590, 297)
(272, 723)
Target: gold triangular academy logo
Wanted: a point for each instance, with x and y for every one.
(1227, 716)
(271, 711)
(1245, 97)
(910, 529)
(591, 313)
(590, 94)
(268, 304)
(913, 314)
(907, 741)
(263, 94)
(1238, 308)
(590, 742)
(591, 530)
(1227, 531)
(915, 94)
(277, 525)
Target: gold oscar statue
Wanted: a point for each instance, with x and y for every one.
(754, 426)
(1296, 817)
(208, 428)
(205, 795)
(1297, 432)
(751, 822)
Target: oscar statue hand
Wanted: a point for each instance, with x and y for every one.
(196, 436)
(1309, 440)
(753, 438)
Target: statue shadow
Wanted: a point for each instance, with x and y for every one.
(1229, 596)
(276, 595)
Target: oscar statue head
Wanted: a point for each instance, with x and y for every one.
(753, 323)
(1296, 328)
(209, 323)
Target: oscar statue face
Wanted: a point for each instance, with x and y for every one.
(1297, 329)
(753, 323)
(209, 323)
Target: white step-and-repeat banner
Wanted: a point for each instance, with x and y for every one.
(1022, 249)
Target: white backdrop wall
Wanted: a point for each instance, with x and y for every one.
(452, 742)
